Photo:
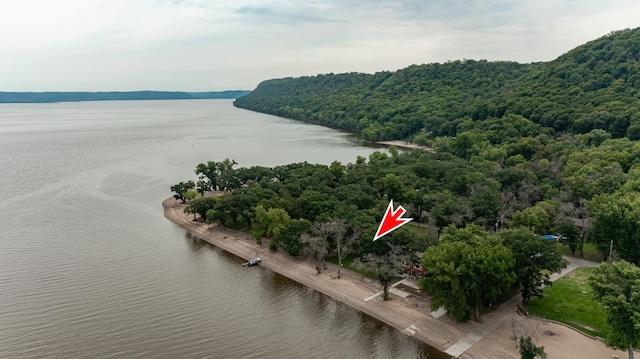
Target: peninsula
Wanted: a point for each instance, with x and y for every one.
(489, 338)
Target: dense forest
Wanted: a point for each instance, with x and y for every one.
(594, 86)
(471, 197)
(40, 97)
(520, 151)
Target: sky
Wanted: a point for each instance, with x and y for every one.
(197, 45)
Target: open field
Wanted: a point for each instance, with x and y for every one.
(569, 301)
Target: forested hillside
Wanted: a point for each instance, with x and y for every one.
(594, 86)
(520, 151)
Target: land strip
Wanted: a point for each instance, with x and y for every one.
(489, 338)
(406, 145)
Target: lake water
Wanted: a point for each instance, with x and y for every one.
(89, 267)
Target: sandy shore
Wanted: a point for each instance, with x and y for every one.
(489, 338)
(407, 145)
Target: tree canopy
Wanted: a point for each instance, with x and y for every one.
(616, 286)
(468, 269)
(592, 87)
(520, 150)
(616, 222)
(535, 260)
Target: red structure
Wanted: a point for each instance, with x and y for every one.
(412, 269)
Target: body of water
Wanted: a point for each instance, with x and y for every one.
(89, 267)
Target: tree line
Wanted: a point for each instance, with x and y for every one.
(486, 192)
(38, 97)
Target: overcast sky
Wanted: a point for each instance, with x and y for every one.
(194, 45)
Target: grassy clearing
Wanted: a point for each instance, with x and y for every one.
(569, 301)
(590, 252)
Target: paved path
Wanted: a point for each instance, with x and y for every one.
(466, 340)
(573, 264)
(353, 289)
(394, 290)
(489, 326)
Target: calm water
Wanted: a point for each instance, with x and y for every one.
(89, 267)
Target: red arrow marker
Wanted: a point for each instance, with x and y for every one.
(392, 220)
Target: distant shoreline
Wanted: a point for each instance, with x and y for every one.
(83, 96)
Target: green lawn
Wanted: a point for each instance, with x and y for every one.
(590, 252)
(569, 301)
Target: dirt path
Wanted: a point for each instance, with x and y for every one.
(410, 315)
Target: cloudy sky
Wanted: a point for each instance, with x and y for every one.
(198, 45)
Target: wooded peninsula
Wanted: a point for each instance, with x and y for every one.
(521, 150)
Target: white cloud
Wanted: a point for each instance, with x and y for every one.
(215, 45)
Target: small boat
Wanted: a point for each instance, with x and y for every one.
(252, 262)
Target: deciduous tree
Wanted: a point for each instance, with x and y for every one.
(616, 286)
(616, 217)
(535, 259)
(534, 217)
(269, 222)
(181, 189)
(383, 267)
(466, 270)
(316, 248)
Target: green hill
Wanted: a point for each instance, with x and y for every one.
(594, 86)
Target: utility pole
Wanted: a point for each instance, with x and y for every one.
(610, 251)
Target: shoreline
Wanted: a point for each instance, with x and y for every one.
(405, 145)
(489, 338)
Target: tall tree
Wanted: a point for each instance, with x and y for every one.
(338, 231)
(269, 222)
(316, 248)
(535, 259)
(181, 189)
(289, 236)
(616, 286)
(226, 174)
(466, 270)
(216, 175)
(383, 267)
(577, 211)
(208, 175)
(570, 234)
(191, 194)
(616, 219)
(534, 217)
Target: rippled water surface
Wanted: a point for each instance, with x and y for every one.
(89, 267)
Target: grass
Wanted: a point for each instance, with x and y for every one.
(569, 301)
(590, 252)
(416, 229)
